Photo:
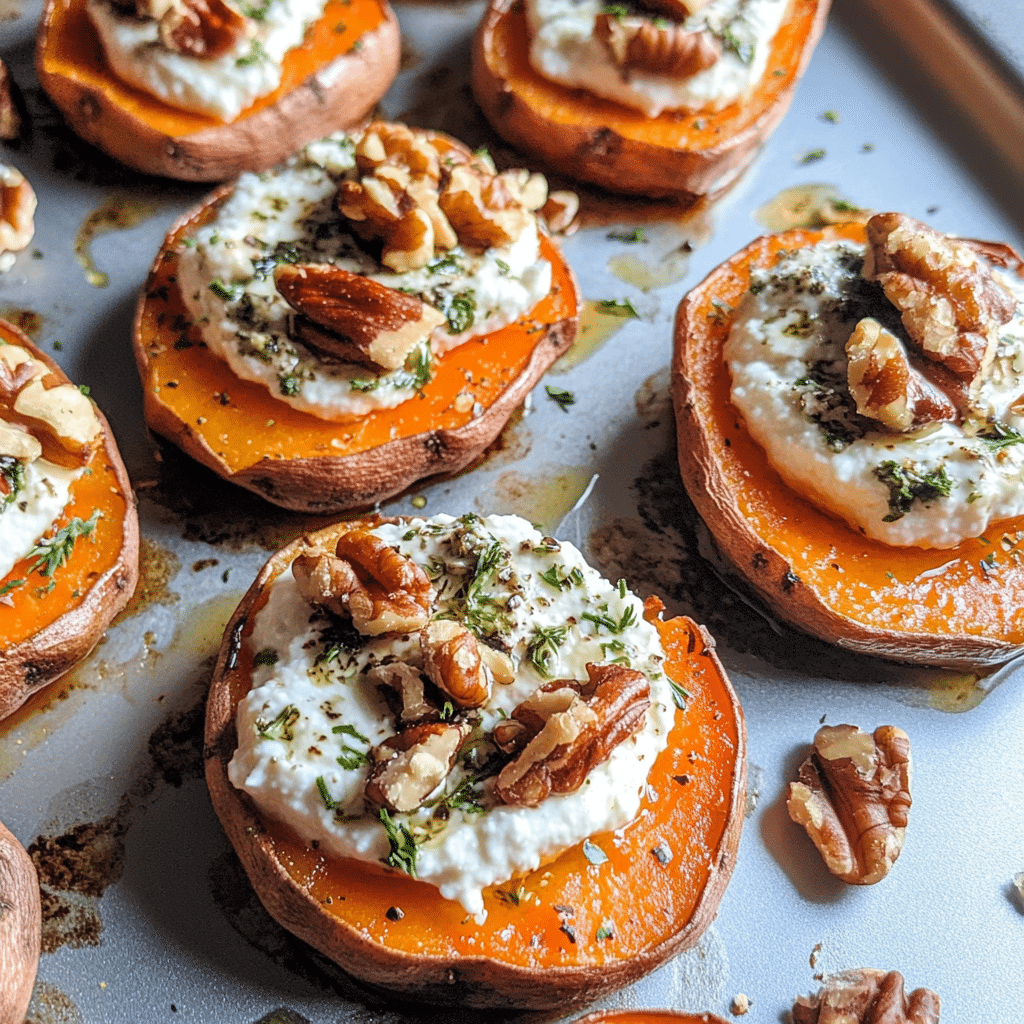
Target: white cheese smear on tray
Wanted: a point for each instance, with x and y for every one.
(786, 356)
(540, 602)
(226, 279)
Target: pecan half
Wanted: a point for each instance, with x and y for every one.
(853, 797)
(451, 659)
(382, 590)
(409, 766)
(574, 727)
(640, 44)
(204, 29)
(886, 386)
(865, 995)
(951, 305)
(349, 317)
(17, 212)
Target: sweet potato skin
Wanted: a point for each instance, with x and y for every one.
(20, 928)
(329, 483)
(805, 564)
(337, 95)
(30, 662)
(481, 977)
(606, 144)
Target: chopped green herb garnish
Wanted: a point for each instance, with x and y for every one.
(51, 554)
(636, 235)
(680, 695)
(813, 155)
(502, 266)
(282, 727)
(618, 307)
(744, 49)
(557, 577)
(290, 383)
(543, 647)
(612, 625)
(329, 802)
(403, 845)
(461, 312)
(227, 292)
(447, 711)
(256, 55)
(908, 484)
(1000, 435)
(606, 931)
(832, 116)
(11, 585)
(268, 656)
(560, 396)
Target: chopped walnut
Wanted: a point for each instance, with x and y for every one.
(451, 659)
(409, 766)
(573, 728)
(852, 797)
(365, 579)
(951, 305)
(407, 683)
(203, 29)
(636, 43)
(417, 195)
(866, 996)
(10, 105)
(17, 212)
(351, 318)
(886, 386)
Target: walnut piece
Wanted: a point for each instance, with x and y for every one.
(203, 29)
(951, 305)
(351, 318)
(852, 797)
(409, 766)
(417, 195)
(407, 683)
(366, 579)
(866, 996)
(451, 659)
(636, 43)
(17, 212)
(886, 386)
(569, 728)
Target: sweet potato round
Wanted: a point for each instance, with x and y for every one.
(925, 606)
(20, 927)
(650, 1017)
(304, 463)
(329, 83)
(678, 153)
(45, 631)
(543, 951)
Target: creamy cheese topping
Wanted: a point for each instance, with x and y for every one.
(312, 704)
(221, 86)
(786, 353)
(226, 278)
(564, 49)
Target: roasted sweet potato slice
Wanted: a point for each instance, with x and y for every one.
(331, 81)
(583, 931)
(301, 462)
(20, 927)
(927, 606)
(678, 153)
(50, 622)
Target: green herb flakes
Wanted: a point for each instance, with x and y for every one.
(562, 398)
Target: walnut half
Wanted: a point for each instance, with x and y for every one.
(852, 797)
(867, 996)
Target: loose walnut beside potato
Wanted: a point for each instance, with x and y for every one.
(864, 995)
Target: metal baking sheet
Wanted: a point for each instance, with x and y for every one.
(148, 916)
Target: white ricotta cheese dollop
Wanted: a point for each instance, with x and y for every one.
(786, 355)
(226, 279)
(563, 48)
(312, 714)
(221, 87)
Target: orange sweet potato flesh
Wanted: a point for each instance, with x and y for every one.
(678, 153)
(44, 632)
(539, 947)
(296, 460)
(332, 81)
(926, 606)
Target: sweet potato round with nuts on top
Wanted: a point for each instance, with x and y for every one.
(331, 81)
(570, 931)
(20, 928)
(684, 153)
(924, 605)
(299, 461)
(50, 620)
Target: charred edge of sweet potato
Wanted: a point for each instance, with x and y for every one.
(481, 976)
(20, 927)
(429, 439)
(787, 550)
(684, 154)
(329, 83)
(97, 581)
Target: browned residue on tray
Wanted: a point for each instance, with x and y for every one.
(28, 321)
(74, 869)
(157, 567)
(51, 1006)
